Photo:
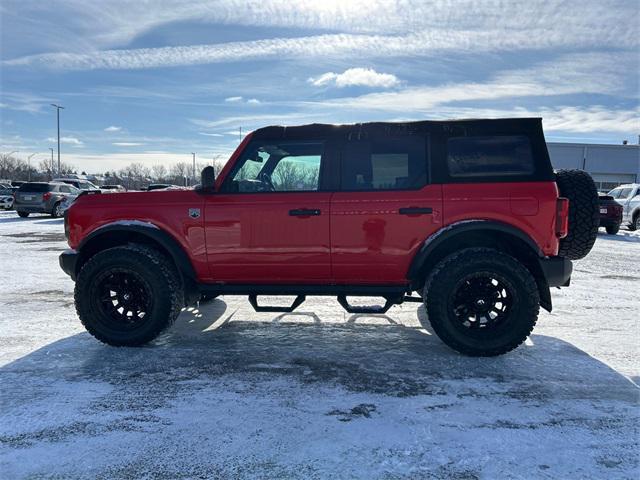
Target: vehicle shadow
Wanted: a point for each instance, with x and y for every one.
(385, 358)
(30, 218)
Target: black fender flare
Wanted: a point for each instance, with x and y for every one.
(153, 233)
(445, 234)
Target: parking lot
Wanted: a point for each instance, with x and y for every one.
(319, 393)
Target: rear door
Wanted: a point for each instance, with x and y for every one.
(384, 209)
(270, 221)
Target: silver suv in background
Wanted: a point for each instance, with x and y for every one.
(629, 197)
(43, 197)
(78, 183)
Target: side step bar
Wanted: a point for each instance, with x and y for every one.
(253, 300)
(342, 300)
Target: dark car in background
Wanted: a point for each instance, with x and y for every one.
(43, 197)
(610, 214)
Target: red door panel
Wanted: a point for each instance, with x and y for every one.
(255, 238)
(372, 242)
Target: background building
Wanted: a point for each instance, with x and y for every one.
(609, 165)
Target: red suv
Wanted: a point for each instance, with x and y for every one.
(467, 214)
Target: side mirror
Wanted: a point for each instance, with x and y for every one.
(208, 179)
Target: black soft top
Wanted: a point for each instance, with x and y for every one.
(528, 126)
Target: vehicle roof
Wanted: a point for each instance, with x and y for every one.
(349, 131)
(627, 185)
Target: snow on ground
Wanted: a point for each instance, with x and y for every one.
(230, 393)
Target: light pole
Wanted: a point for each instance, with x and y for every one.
(51, 168)
(194, 167)
(29, 166)
(58, 107)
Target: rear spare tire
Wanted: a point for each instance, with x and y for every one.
(584, 213)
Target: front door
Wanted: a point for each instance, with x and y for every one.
(270, 221)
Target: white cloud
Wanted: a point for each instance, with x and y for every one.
(113, 128)
(253, 101)
(211, 134)
(115, 23)
(233, 99)
(66, 140)
(366, 77)
(127, 144)
(337, 46)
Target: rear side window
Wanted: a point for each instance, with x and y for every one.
(488, 156)
(624, 193)
(35, 187)
(65, 189)
(398, 163)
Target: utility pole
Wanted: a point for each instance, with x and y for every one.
(51, 167)
(194, 167)
(58, 107)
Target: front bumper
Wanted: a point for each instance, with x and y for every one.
(68, 260)
(557, 271)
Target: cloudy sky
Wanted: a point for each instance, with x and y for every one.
(152, 81)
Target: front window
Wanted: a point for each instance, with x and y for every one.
(278, 167)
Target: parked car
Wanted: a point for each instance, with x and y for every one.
(629, 197)
(79, 184)
(610, 214)
(6, 197)
(113, 188)
(43, 197)
(464, 213)
(159, 186)
(17, 183)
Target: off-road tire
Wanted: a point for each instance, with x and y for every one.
(23, 214)
(612, 230)
(160, 276)
(439, 292)
(584, 213)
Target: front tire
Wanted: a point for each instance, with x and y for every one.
(481, 302)
(635, 223)
(128, 295)
(23, 214)
(612, 230)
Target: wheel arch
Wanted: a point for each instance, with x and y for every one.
(116, 234)
(480, 233)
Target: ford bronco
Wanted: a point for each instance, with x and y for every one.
(466, 216)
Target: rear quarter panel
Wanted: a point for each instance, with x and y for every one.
(528, 206)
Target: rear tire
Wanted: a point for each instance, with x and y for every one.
(584, 213)
(57, 212)
(23, 214)
(481, 302)
(635, 223)
(613, 229)
(126, 296)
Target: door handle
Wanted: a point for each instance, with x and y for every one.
(304, 212)
(415, 210)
